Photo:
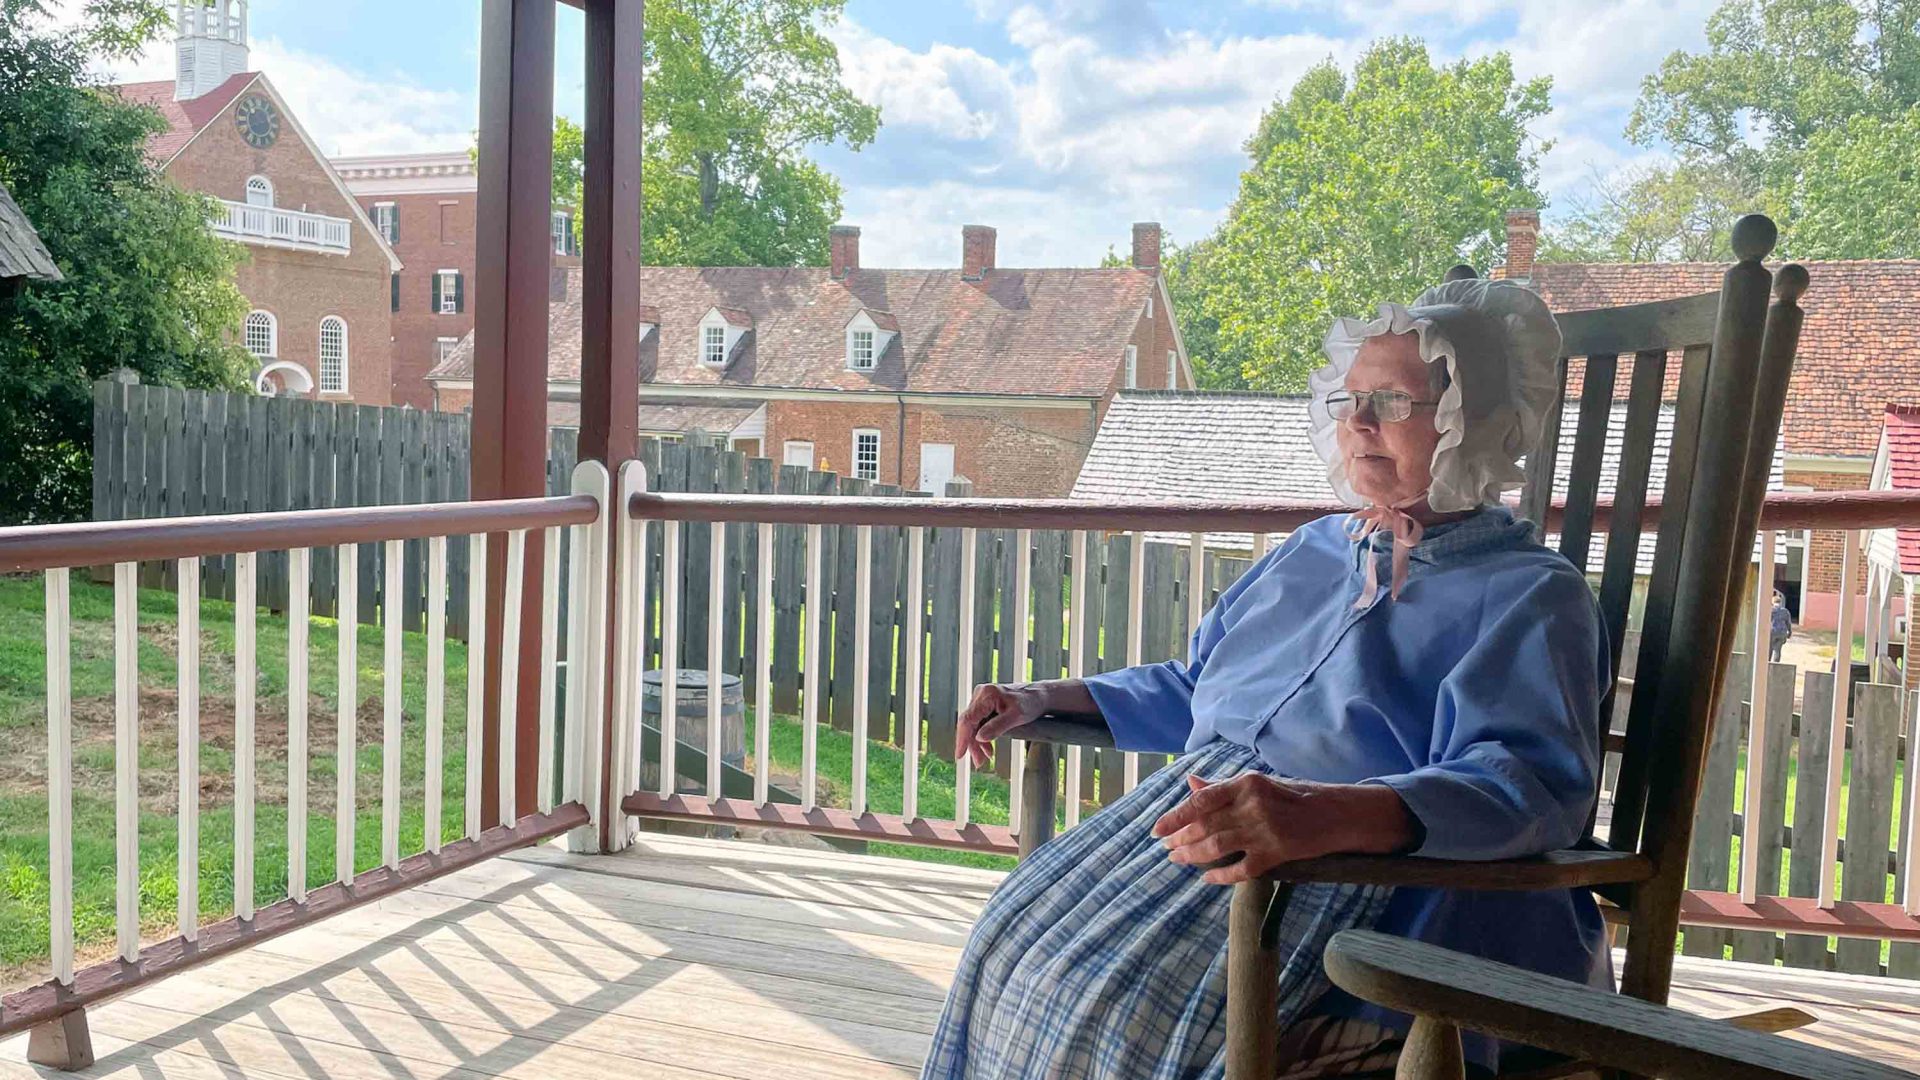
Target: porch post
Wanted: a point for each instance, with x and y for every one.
(610, 297)
(514, 249)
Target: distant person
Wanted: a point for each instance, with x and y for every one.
(1782, 625)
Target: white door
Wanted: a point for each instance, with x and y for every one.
(936, 467)
(798, 453)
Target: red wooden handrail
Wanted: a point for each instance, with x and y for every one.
(97, 543)
(1784, 510)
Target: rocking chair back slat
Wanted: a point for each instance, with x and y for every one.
(1698, 639)
(1536, 494)
(1656, 617)
(1589, 452)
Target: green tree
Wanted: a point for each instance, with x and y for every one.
(1364, 189)
(1659, 213)
(1855, 194)
(736, 90)
(148, 285)
(1801, 108)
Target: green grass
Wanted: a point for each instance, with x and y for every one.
(23, 804)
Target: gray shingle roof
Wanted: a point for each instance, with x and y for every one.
(22, 255)
(1158, 444)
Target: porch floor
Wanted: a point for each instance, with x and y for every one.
(697, 958)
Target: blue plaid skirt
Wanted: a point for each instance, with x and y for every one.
(1098, 957)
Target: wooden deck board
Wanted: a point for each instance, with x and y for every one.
(680, 959)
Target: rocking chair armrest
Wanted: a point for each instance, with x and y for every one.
(1455, 989)
(1570, 869)
(1066, 731)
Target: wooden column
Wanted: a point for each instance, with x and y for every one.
(514, 249)
(610, 278)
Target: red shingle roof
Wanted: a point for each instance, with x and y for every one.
(1903, 473)
(185, 119)
(1032, 332)
(1859, 349)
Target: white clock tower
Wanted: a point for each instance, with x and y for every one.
(210, 44)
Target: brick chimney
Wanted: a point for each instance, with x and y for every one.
(976, 251)
(1523, 239)
(843, 250)
(1146, 245)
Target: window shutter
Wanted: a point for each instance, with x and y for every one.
(459, 293)
(394, 228)
(436, 295)
(396, 292)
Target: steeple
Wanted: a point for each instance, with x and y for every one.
(210, 44)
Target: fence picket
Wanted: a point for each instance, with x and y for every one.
(1869, 835)
(1809, 808)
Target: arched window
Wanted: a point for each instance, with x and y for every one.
(259, 191)
(262, 336)
(333, 355)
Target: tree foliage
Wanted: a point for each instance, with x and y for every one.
(1361, 189)
(148, 285)
(1804, 109)
(736, 90)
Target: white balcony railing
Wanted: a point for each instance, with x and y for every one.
(284, 228)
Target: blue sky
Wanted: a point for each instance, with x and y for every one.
(1058, 121)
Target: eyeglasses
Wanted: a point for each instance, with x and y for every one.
(1390, 406)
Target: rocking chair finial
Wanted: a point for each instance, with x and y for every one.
(1789, 282)
(1754, 236)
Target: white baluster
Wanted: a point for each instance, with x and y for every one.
(392, 612)
(763, 671)
(549, 665)
(434, 783)
(511, 610)
(187, 849)
(299, 577)
(813, 626)
(963, 677)
(59, 630)
(346, 714)
(126, 757)
(913, 685)
(670, 570)
(862, 659)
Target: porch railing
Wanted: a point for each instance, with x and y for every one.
(290, 228)
(525, 526)
(1850, 904)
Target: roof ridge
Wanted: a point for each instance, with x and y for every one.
(1202, 393)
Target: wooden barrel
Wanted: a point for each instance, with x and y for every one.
(690, 710)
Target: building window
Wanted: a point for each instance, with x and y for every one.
(1149, 305)
(563, 243)
(860, 350)
(866, 453)
(1133, 367)
(1173, 370)
(443, 348)
(395, 290)
(262, 335)
(259, 191)
(386, 220)
(713, 345)
(448, 293)
(333, 355)
(797, 452)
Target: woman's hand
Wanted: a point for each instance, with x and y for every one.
(997, 709)
(1268, 820)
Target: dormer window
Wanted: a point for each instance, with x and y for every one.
(869, 333)
(720, 332)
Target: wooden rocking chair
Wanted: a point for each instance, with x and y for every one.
(1738, 358)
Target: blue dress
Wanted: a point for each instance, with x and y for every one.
(1475, 696)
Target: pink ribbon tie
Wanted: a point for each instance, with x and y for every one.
(1406, 533)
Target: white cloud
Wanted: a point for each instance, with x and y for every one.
(957, 93)
(352, 112)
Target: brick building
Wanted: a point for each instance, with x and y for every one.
(996, 374)
(317, 273)
(423, 204)
(1859, 353)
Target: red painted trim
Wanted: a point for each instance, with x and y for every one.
(890, 828)
(1790, 510)
(1799, 915)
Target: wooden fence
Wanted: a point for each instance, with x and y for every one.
(161, 451)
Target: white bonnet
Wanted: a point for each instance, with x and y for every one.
(1499, 343)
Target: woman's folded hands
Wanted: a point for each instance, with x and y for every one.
(1241, 828)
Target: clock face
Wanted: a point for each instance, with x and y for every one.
(259, 124)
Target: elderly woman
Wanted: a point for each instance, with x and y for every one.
(1418, 677)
